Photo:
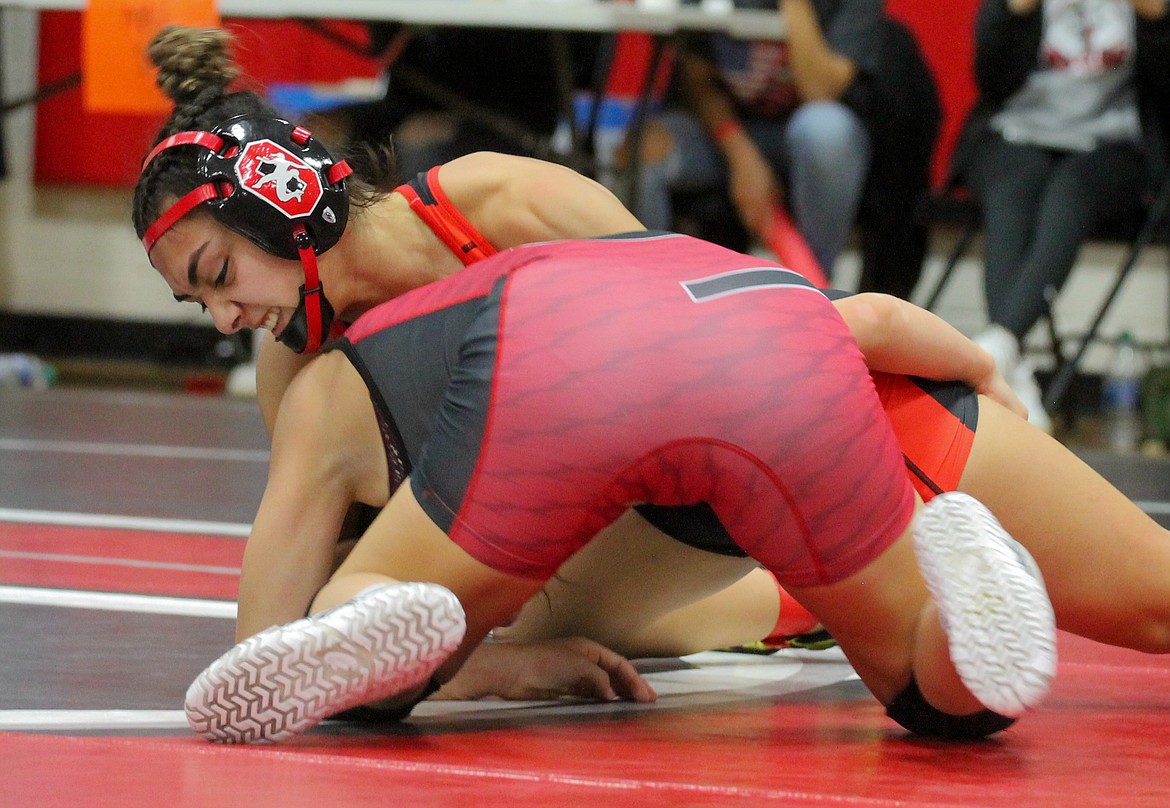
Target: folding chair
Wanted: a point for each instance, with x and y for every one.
(1154, 224)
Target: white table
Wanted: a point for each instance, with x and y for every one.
(602, 16)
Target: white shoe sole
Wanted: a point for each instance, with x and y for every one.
(288, 678)
(991, 602)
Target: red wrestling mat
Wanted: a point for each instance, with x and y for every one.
(112, 560)
(1099, 740)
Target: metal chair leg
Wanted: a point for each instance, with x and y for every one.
(1155, 218)
(956, 255)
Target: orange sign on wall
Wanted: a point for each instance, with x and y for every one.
(118, 75)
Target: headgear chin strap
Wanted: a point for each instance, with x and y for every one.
(273, 183)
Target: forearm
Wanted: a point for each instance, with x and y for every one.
(711, 104)
(819, 72)
(277, 582)
(898, 337)
(751, 179)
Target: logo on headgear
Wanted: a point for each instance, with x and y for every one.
(279, 177)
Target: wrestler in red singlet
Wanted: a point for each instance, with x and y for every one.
(934, 421)
(660, 369)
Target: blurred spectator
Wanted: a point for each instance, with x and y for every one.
(1056, 149)
(453, 91)
(839, 119)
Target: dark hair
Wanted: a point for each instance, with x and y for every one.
(195, 70)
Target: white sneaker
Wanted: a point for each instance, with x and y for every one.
(991, 602)
(1018, 373)
(284, 680)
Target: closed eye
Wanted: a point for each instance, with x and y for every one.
(187, 299)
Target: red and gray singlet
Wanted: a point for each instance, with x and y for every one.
(586, 376)
(934, 421)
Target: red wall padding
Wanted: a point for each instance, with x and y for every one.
(946, 32)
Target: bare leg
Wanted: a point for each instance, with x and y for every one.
(998, 647)
(1106, 564)
(403, 544)
(741, 614)
(642, 593)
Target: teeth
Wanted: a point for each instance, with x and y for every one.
(271, 320)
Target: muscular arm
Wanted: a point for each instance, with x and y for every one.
(898, 337)
(276, 366)
(323, 450)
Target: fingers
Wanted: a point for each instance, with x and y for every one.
(998, 389)
(625, 678)
(613, 675)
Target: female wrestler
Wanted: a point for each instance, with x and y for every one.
(394, 241)
(591, 376)
(391, 243)
(1133, 616)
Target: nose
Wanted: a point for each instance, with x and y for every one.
(228, 316)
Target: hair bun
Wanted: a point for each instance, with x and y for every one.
(191, 61)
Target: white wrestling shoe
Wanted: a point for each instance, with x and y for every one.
(991, 602)
(286, 679)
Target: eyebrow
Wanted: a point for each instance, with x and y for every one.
(192, 277)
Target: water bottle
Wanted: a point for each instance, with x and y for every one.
(25, 370)
(1121, 397)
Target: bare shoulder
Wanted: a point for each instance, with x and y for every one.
(325, 388)
(326, 430)
(516, 200)
(471, 177)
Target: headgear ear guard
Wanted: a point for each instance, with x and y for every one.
(274, 184)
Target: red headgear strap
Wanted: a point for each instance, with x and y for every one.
(312, 290)
(206, 139)
(177, 211)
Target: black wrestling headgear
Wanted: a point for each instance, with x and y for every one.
(273, 183)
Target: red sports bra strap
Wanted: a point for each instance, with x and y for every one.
(446, 221)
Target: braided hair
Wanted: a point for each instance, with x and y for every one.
(195, 70)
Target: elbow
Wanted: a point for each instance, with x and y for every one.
(872, 318)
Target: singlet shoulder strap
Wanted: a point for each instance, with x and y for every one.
(430, 204)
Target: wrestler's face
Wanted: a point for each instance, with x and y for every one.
(239, 284)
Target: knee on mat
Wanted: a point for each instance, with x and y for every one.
(914, 713)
